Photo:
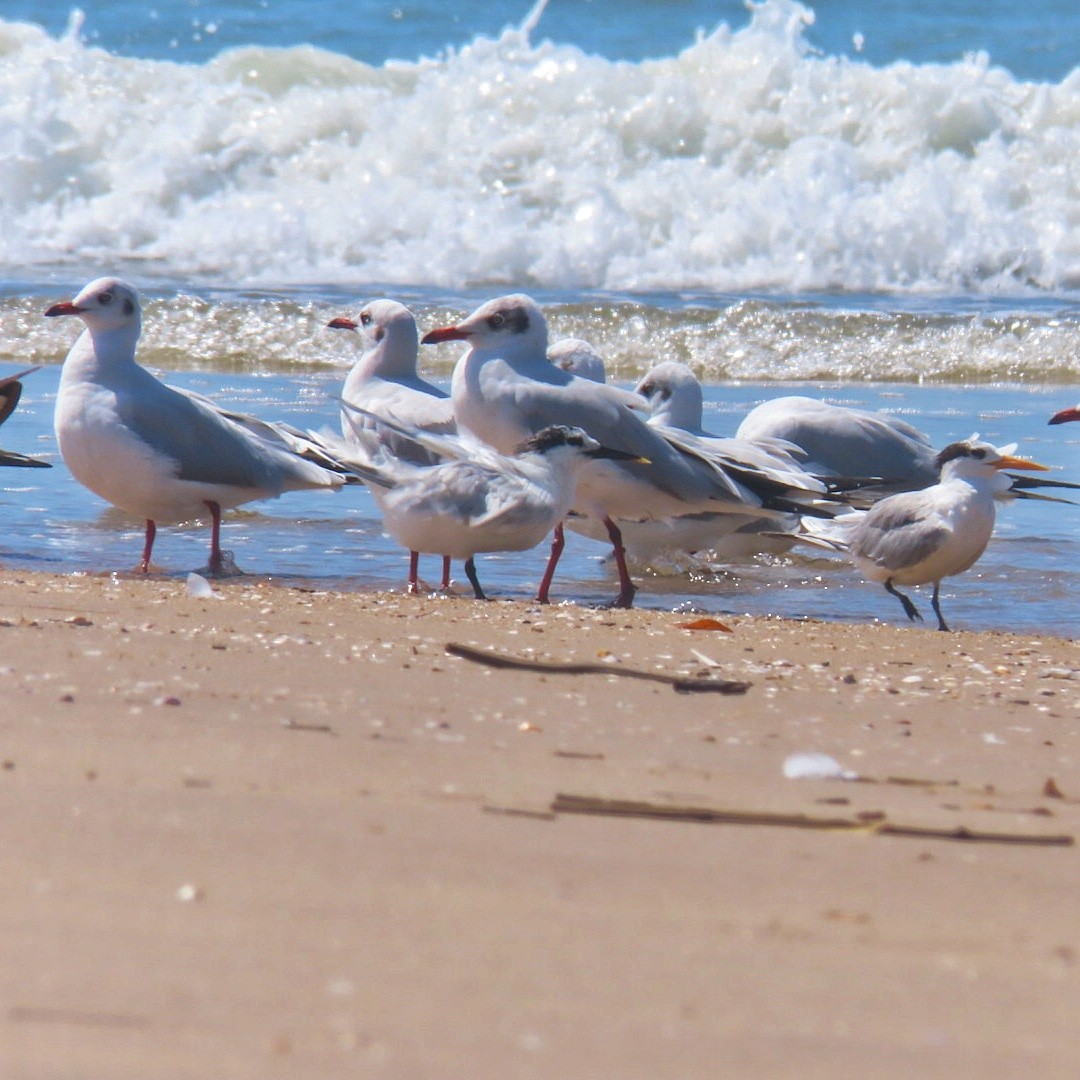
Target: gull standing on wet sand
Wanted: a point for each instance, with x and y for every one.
(386, 383)
(155, 452)
(919, 537)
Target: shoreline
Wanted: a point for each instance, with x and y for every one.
(283, 831)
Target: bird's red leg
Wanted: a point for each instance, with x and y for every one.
(627, 588)
(445, 573)
(558, 542)
(148, 546)
(414, 572)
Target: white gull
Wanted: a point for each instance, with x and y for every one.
(155, 452)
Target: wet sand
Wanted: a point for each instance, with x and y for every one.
(283, 833)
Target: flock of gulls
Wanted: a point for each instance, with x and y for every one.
(530, 441)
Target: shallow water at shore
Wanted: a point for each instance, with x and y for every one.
(1025, 581)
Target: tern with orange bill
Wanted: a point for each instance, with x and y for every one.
(922, 537)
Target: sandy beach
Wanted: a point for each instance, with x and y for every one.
(283, 833)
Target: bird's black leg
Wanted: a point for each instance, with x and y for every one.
(470, 573)
(910, 610)
(941, 623)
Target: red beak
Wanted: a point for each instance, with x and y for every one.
(1065, 416)
(66, 308)
(444, 333)
(341, 324)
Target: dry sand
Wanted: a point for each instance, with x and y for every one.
(268, 836)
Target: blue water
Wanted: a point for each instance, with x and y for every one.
(1034, 41)
(877, 200)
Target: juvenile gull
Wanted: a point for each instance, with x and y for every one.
(481, 500)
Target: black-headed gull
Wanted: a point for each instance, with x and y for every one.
(579, 358)
(919, 537)
(846, 442)
(853, 444)
(477, 499)
(155, 452)
(386, 383)
(505, 388)
(10, 392)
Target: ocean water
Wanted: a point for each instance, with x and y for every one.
(876, 203)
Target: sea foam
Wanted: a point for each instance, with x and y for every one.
(745, 162)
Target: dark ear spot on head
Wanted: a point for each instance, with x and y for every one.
(380, 333)
(129, 307)
(513, 320)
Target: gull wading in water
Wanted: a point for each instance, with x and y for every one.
(872, 454)
(921, 537)
(10, 392)
(505, 388)
(155, 452)
(674, 395)
(478, 500)
(385, 383)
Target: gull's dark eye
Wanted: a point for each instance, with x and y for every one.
(365, 318)
(496, 321)
(978, 454)
(105, 298)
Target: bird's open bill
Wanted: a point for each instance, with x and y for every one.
(1010, 462)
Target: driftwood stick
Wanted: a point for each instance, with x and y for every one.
(679, 684)
(869, 823)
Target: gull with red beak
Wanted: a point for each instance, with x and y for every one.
(155, 452)
(919, 537)
(505, 388)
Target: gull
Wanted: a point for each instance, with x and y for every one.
(919, 537)
(846, 442)
(676, 399)
(871, 452)
(385, 383)
(505, 388)
(155, 452)
(10, 392)
(479, 500)
(579, 358)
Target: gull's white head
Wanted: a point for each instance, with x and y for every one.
(510, 325)
(107, 303)
(674, 394)
(388, 329)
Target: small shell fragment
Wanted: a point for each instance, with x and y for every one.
(814, 765)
